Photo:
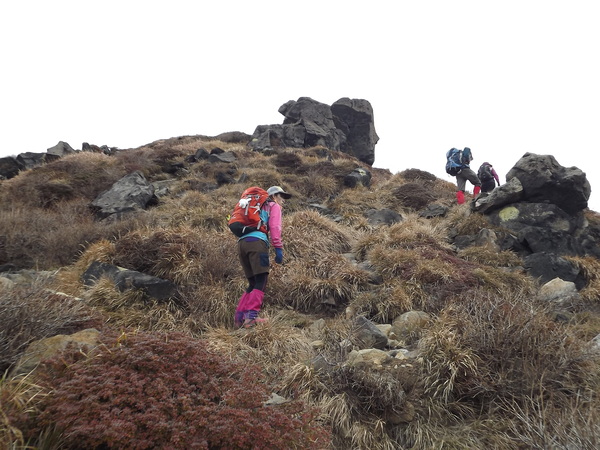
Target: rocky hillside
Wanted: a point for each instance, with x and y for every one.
(397, 320)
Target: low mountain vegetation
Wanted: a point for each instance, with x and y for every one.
(471, 357)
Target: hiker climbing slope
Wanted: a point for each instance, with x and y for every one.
(253, 251)
(488, 177)
(457, 164)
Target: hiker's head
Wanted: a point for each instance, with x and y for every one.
(278, 194)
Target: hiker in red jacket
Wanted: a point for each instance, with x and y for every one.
(253, 250)
(466, 174)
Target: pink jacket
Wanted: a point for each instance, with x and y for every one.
(275, 220)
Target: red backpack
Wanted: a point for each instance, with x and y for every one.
(246, 214)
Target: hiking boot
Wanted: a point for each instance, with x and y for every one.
(250, 323)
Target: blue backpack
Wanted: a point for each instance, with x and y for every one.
(454, 162)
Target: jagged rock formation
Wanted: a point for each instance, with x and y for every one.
(542, 206)
(347, 126)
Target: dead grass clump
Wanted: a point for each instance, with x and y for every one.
(50, 238)
(307, 285)
(591, 271)
(205, 212)
(389, 301)
(288, 162)
(417, 175)
(34, 312)
(19, 397)
(468, 225)
(414, 196)
(352, 399)
(449, 431)
(451, 364)
(307, 234)
(183, 255)
(491, 257)
(132, 309)
(426, 266)
(485, 350)
(355, 202)
(213, 305)
(317, 187)
(502, 281)
(79, 175)
(414, 232)
(273, 345)
(140, 159)
(539, 423)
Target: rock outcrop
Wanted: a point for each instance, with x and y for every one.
(347, 125)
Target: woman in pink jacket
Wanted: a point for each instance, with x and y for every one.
(253, 250)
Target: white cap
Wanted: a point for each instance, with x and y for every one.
(278, 190)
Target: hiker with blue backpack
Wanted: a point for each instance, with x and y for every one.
(488, 177)
(457, 164)
(253, 247)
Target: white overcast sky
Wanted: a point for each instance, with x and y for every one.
(504, 77)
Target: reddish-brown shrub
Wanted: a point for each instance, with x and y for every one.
(168, 391)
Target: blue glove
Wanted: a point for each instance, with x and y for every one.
(278, 255)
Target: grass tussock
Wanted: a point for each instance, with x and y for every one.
(352, 399)
(34, 312)
(183, 255)
(391, 300)
(19, 397)
(591, 271)
(274, 344)
(55, 237)
(353, 203)
(307, 234)
(490, 257)
(81, 175)
(309, 284)
(467, 224)
(487, 349)
(131, 309)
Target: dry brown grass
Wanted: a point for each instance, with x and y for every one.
(353, 400)
(310, 283)
(486, 348)
(31, 312)
(274, 345)
(489, 257)
(183, 255)
(590, 267)
(81, 175)
(18, 396)
(307, 234)
(466, 223)
(384, 304)
(51, 238)
(352, 203)
(131, 309)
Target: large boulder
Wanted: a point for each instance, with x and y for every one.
(356, 116)
(546, 266)
(131, 193)
(510, 192)
(61, 149)
(125, 279)
(544, 180)
(42, 349)
(541, 227)
(29, 160)
(347, 126)
(9, 167)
